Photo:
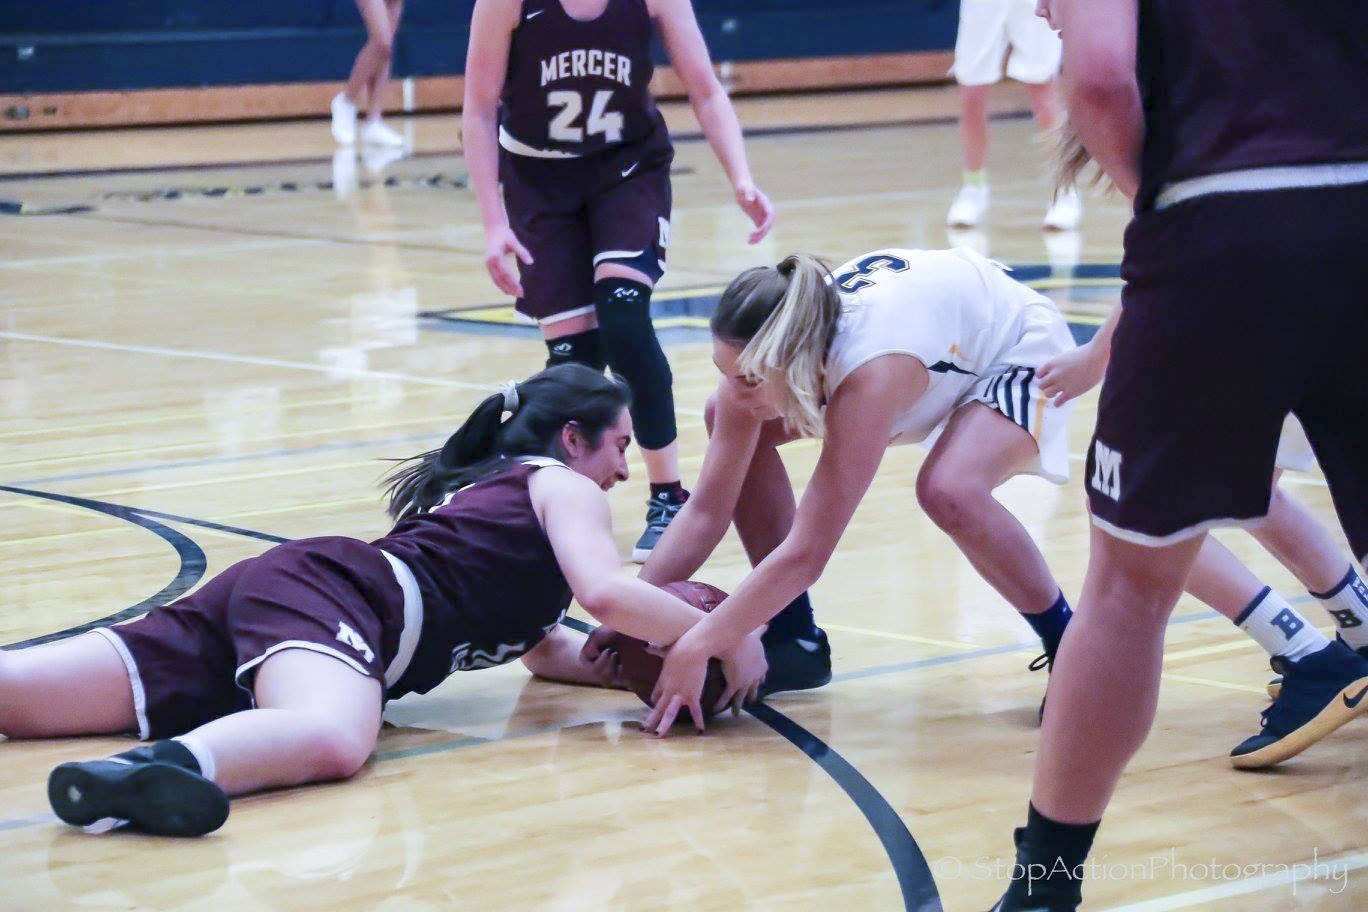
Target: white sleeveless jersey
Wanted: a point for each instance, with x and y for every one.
(954, 310)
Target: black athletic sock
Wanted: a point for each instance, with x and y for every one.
(673, 491)
(1050, 861)
(581, 348)
(1049, 625)
(793, 622)
(172, 752)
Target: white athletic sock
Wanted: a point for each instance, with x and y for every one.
(1347, 603)
(203, 756)
(1278, 628)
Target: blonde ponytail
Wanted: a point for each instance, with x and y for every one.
(1071, 164)
(785, 317)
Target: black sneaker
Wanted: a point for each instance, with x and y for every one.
(1318, 695)
(1046, 661)
(801, 663)
(659, 511)
(1039, 894)
(1275, 683)
(150, 795)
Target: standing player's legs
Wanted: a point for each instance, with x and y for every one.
(980, 449)
(1034, 61)
(798, 651)
(629, 223)
(373, 59)
(980, 44)
(77, 686)
(375, 133)
(544, 202)
(1158, 476)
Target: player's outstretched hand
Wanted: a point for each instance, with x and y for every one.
(744, 668)
(680, 686)
(757, 207)
(498, 245)
(1071, 374)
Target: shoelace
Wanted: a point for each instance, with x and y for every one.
(1044, 660)
(659, 513)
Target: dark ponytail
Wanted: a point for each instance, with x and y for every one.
(538, 408)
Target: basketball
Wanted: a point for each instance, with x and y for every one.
(640, 669)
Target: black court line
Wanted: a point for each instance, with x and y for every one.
(192, 563)
(692, 137)
(909, 864)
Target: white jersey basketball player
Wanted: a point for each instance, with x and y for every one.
(938, 347)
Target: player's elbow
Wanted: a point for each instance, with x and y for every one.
(1102, 81)
(604, 600)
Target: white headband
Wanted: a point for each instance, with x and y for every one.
(510, 397)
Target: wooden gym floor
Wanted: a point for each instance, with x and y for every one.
(218, 348)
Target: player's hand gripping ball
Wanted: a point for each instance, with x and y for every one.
(640, 668)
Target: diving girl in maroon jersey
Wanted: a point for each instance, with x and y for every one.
(276, 671)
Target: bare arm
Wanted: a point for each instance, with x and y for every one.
(693, 534)
(575, 515)
(1073, 373)
(568, 656)
(688, 54)
(1098, 78)
(491, 31)
(859, 423)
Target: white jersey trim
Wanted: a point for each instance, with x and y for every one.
(413, 619)
(556, 318)
(1284, 177)
(518, 147)
(294, 644)
(617, 255)
(1173, 538)
(134, 680)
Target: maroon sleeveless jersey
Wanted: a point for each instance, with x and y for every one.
(1235, 84)
(490, 583)
(576, 87)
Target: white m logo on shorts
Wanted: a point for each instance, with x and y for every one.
(1106, 478)
(353, 639)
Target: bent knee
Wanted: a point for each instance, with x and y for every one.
(339, 754)
(949, 502)
(382, 46)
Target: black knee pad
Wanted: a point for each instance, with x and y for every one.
(581, 348)
(623, 307)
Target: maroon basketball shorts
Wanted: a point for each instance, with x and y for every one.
(574, 213)
(194, 660)
(1238, 309)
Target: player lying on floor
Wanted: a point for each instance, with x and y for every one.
(275, 672)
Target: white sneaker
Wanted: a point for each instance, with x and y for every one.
(1064, 213)
(375, 133)
(969, 206)
(343, 120)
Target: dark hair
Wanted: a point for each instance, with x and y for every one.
(545, 403)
